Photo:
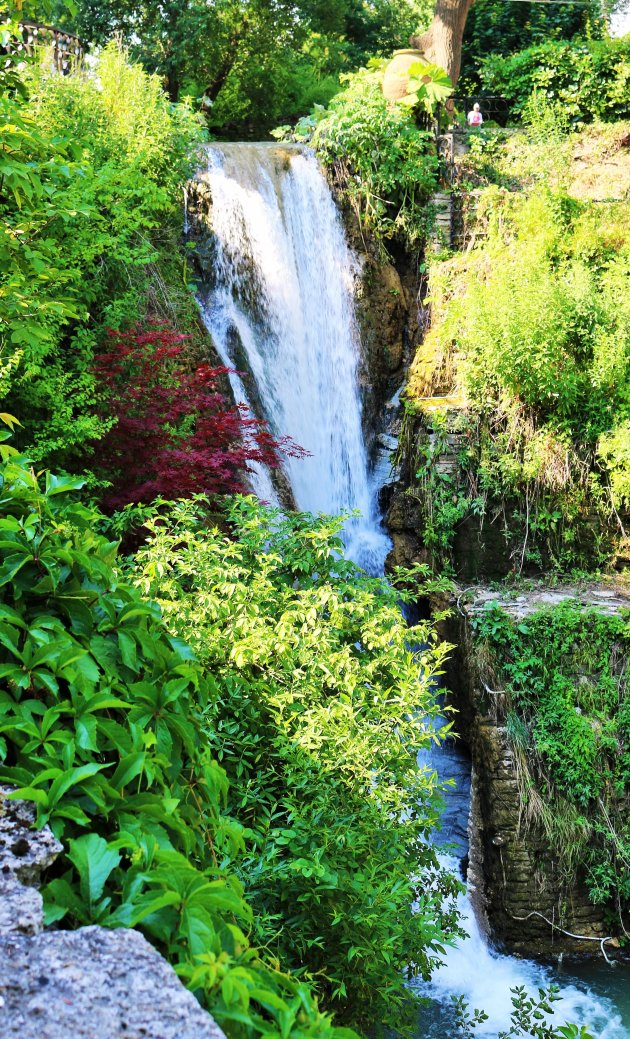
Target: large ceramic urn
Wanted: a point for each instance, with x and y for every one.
(396, 76)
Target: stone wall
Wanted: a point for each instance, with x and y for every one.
(523, 891)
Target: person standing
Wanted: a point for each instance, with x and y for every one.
(474, 117)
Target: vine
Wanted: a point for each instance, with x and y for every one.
(564, 671)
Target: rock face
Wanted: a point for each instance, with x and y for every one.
(198, 219)
(528, 901)
(387, 315)
(24, 854)
(404, 524)
(94, 983)
(479, 548)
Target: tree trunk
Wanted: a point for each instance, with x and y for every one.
(172, 85)
(441, 44)
(229, 59)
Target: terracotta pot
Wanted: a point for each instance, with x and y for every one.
(396, 75)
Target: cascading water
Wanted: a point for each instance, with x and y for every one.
(486, 977)
(281, 308)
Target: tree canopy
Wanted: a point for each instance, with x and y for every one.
(253, 62)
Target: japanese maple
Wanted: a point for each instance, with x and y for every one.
(175, 433)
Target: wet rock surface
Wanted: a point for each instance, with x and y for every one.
(607, 599)
(94, 984)
(386, 324)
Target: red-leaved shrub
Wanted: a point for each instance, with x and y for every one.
(176, 434)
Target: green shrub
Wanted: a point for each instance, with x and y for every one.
(279, 764)
(320, 710)
(385, 165)
(102, 727)
(91, 177)
(590, 78)
(614, 451)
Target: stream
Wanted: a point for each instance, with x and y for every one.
(593, 993)
(281, 309)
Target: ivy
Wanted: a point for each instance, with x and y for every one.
(565, 673)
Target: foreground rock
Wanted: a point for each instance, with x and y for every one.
(24, 855)
(93, 983)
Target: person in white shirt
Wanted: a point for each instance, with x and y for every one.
(474, 117)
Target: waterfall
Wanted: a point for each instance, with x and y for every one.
(281, 307)
(484, 976)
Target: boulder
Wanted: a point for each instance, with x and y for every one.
(24, 851)
(89, 983)
(24, 854)
(94, 983)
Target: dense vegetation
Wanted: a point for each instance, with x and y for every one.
(498, 31)
(380, 157)
(565, 675)
(530, 334)
(590, 78)
(256, 748)
(90, 209)
(384, 164)
(321, 707)
(253, 64)
(224, 729)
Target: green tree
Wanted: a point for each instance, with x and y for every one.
(503, 29)
(254, 63)
(90, 176)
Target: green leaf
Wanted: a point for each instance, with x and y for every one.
(128, 650)
(129, 767)
(94, 861)
(62, 484)
(72, 777)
